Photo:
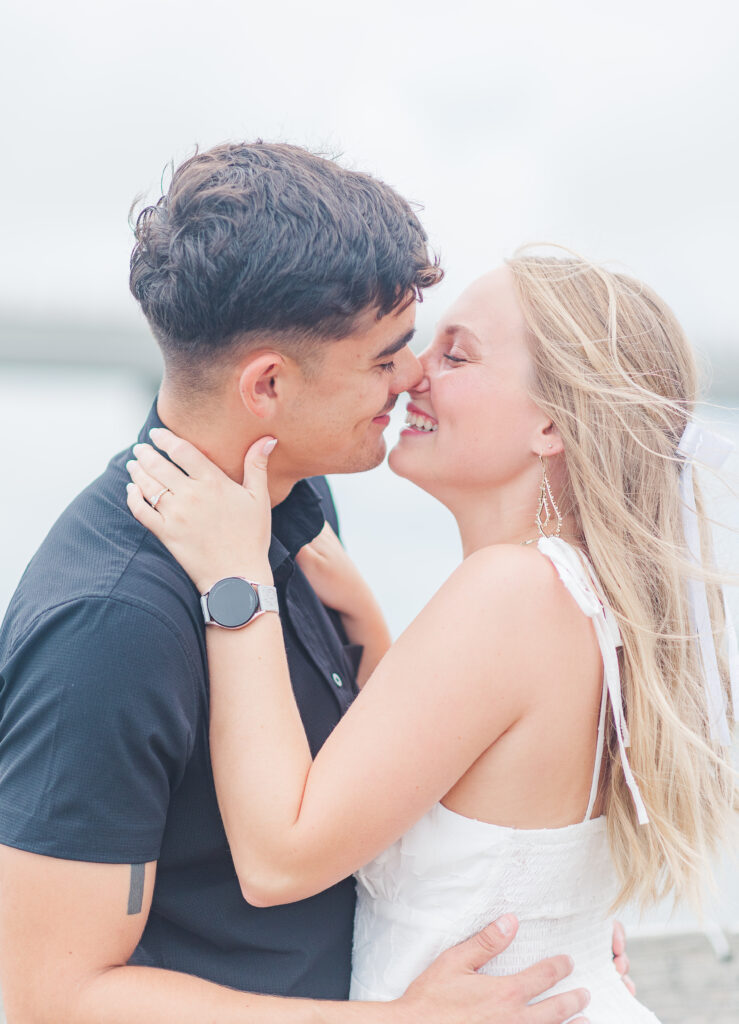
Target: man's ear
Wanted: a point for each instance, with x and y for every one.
(260, 384)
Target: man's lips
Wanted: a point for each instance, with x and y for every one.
(385, 415)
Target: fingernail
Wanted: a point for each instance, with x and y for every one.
(269, 446)
(506, 924)
(154, 430)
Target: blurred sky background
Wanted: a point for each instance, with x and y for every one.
(612, 128)
(608, 127)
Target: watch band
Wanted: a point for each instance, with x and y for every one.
(267, 597)
(265, 601)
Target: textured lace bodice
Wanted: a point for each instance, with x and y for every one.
(449, 876)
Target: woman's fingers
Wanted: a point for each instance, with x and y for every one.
(152, 462)
(184, 454)
(150, 487)
(141, 509)
(211, 525)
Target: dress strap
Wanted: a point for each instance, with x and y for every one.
(598, 752)
(579, 578)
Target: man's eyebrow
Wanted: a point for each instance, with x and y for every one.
(396, 345)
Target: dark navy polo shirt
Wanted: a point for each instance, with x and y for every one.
(104, 735)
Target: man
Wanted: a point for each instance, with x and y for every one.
(281, 290)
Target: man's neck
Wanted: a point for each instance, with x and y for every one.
(224, 435)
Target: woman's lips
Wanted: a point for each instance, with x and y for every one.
(419, 422)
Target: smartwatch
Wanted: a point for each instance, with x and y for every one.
(233, 602)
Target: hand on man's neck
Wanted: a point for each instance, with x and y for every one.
(224, 436)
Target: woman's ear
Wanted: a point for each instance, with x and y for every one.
(260, 384)
(548, 440)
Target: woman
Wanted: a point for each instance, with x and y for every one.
(484, 767)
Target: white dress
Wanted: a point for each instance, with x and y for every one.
(449, 875)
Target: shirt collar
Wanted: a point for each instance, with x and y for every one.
(295, 521)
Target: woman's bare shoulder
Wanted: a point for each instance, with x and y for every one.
(511, 574)
(503, 596)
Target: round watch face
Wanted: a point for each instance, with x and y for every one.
(232, 602)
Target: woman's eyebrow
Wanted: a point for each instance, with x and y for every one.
(452, 329)
(396, 346)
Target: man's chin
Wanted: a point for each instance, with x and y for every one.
(360, 462)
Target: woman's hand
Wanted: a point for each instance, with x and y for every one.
(213, 526)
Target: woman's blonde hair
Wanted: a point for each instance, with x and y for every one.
(614, 370)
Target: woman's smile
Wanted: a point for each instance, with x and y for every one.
(418, 421)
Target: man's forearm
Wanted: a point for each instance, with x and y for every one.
(147, 995)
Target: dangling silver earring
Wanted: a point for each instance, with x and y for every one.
(547, 508)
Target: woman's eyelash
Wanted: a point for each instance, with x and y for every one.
(453, 359)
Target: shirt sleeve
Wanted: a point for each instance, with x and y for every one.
(328, 506)
(99, 712)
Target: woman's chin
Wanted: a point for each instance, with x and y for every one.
(396, 461)
(402, 463)
(408, 468)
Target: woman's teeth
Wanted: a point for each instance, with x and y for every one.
(419, 422)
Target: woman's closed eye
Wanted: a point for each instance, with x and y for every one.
(453, 359)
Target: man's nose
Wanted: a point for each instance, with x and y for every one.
(421, 381)
(408, 373)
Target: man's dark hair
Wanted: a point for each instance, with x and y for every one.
(257, 238)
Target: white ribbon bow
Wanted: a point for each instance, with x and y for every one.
(711, 450)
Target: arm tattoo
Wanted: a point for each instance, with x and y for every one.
(136, 890)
